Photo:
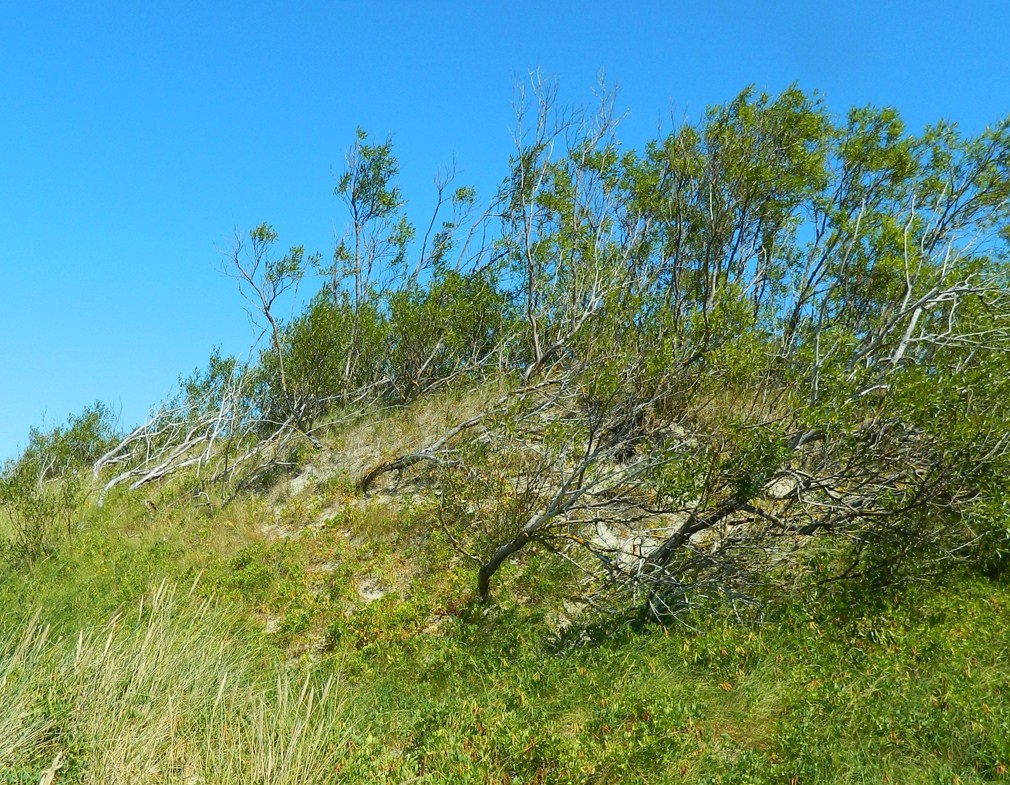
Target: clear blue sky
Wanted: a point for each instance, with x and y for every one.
(136, 138)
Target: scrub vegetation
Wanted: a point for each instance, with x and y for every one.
(676, 464)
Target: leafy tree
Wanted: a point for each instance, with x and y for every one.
(264, 278)
(784, 315)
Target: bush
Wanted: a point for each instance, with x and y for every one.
(330, 351)
(440, 330)
(42, 489)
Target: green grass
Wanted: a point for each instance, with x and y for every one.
(137, 682)
(923, 697)
(170, 691)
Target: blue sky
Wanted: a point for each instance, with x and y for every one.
(136, 139)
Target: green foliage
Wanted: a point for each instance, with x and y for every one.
(835, 685)
(452, 324)
(380, 234)
(74, 446)
(42, 489)
(331, 351)
(279, 271)
(205, 389)
(767, 351)
(492, 491)
(766, 272)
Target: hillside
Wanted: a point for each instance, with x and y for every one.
(684, 464)
(201, 632)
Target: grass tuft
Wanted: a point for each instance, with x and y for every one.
(171, 692)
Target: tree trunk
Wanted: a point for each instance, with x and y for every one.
(491, 566)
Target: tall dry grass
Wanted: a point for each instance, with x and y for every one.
(165, 694)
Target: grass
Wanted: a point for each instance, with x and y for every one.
(172, 691)
(276, 669)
